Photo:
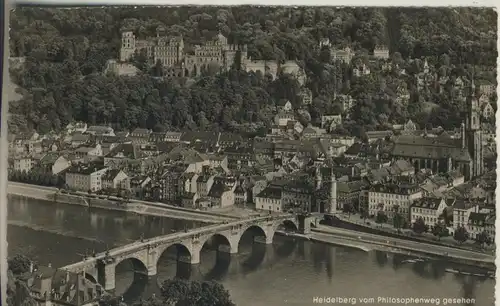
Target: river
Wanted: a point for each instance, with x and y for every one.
(289, 272)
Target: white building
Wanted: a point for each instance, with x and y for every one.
(461, 212)
(480, 220)
(270, 199)
(345, 55)
(85, 177)
(23, 164)
(381, 52)
(429, 209)
(328, 120)
(115, 179)
(385, 197)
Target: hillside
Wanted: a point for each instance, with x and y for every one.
(66, 51)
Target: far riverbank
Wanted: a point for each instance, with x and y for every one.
(138, 207)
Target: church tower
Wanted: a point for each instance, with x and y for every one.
(474, 133)
(333, 194)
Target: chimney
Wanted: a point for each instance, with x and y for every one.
(31, 266)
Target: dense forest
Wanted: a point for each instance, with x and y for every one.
(66, 51)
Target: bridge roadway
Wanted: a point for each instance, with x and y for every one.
(147, 252)
(400, 245)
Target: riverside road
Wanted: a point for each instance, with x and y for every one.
(406, 244)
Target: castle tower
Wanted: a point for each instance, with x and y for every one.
(474, 133)
(128, 46)
(333, 194)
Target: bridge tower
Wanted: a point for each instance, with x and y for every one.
(333, 194)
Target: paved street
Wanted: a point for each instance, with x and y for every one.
(407, 244)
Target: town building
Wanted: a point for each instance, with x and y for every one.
(54, 163)
(23, 163)
(97, 130)
(85, 177)
(55, 287)
(115, 179)
(429, 209)
(481, 220)
(381, 52)
(270, 199)
(140, 136)
(344, 55)
(391, 196)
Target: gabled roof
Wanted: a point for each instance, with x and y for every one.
(192, 136)
(271, 192)
(428, 203)
(111, 174)
(217, 189)
(80, 137)
(49, 158)
(128, 150)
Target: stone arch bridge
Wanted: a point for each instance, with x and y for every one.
(146, 253)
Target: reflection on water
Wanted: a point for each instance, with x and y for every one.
(111, 227)
(284, 273)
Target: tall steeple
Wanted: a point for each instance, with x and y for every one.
(474, 133)
(333, 193)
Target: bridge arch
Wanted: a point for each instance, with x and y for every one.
(91, 278)
(182, 252)
(259, 233)
(287, 225)
(222, 242)
(138, 264)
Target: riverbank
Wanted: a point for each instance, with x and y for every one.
(358, 225)
(394, 245)
(138, 207)
(328, 239)
(39, 228)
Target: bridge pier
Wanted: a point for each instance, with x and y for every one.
(223, 248)
(109, 277)
(193, 259)
(152, 270)
(265, 240)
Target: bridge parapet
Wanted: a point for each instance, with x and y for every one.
(148, 251)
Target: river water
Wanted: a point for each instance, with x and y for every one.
(289, 272)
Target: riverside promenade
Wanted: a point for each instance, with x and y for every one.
(133, 206)
(370, 242)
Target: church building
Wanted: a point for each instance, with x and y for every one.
(444, 153)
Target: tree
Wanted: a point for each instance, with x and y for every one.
(419, 226)
(381, 218)
(19, 264)
(461, 235)
(108, 300)
(439, 230)
(193, 293)
(152, 301)
(397, 220)
(483, 238)
(364, 214)
(348, 208)
(66, 53)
